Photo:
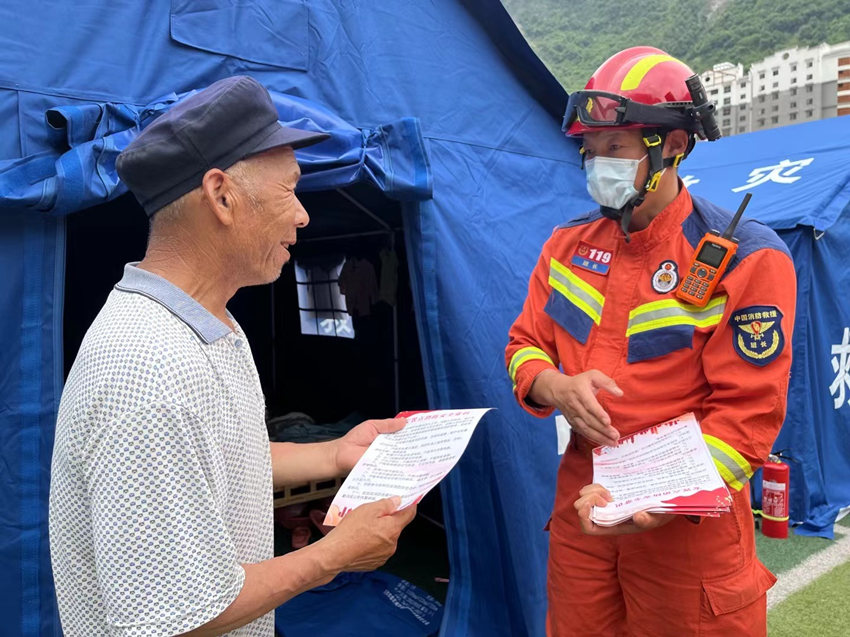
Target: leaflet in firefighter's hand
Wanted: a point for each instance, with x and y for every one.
(407, 463)
(663, 469)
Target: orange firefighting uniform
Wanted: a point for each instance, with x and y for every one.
(597, 302)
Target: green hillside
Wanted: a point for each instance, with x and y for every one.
(574, 36)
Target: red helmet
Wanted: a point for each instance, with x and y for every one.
(641, 87)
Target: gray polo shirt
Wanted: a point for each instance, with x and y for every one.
(162, 481)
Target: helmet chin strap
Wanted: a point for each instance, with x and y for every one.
(653, 139)
(623, 215)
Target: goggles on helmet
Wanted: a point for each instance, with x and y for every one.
(598, 108)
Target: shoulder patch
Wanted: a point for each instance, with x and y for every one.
(757, 333)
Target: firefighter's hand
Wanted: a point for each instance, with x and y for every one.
(596, 495)
(575, 397)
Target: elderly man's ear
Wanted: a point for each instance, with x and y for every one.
(220, 194)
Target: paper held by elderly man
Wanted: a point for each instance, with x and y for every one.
(407, 463)
(666, 468)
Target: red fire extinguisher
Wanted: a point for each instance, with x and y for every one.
(774, 498)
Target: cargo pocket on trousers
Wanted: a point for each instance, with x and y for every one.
(733, 592)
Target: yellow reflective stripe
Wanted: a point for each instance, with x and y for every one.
(558, 270)
(523, 356)
(733, 467)
(668, 303)
(674, 320)
(591, 291)
(770, 517)
(727, 476)
(638, 71)
(668, 312)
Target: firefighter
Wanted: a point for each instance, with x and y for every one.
(603, 338)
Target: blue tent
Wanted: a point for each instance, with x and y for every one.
(440, 105)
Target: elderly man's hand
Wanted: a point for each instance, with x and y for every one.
(596, 495)
(367, 536)
(349, 448)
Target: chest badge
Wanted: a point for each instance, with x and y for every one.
(665, 278)
(591, 258)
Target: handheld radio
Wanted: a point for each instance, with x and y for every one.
(709, 262)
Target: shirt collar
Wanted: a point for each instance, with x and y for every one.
(183, 306)
(665, 222)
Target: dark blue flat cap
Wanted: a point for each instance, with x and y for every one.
(214, 128)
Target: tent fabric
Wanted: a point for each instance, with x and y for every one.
(801, 187)
(391, 156)
(797, 174)
(32, 260)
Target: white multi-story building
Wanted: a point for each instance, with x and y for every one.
(790, 86)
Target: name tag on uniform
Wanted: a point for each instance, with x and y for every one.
(591, 258)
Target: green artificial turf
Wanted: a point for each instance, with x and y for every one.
(819, 609)
(782, 555)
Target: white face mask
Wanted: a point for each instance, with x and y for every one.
(611, 181)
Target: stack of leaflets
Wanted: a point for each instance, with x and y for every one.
(666, 468)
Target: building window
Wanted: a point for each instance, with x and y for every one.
(775, 108)
(809, 77)
(320, 303)
(742, 118)
(727, 132)
(713, 91)
(774, 95)
(743, 97)
(808, 64)
(793, 104)
(743, 84)
(727, 101)
(727, 89)
(761, 88)
(761, 75)
(809, 113)
(792, 116)
(726, 110)
(794, 91)
(761, 98)
(761, 111)
(774, 119)
(793, 67)
(761, 121)
(726, 122)
(808, 88)
(793, 80)
(809, 101)
(775, 72)
(776, 85)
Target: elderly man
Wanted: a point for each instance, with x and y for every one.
(161, 493)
